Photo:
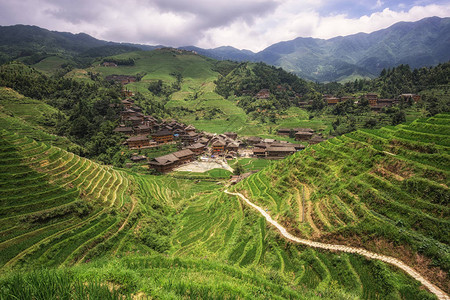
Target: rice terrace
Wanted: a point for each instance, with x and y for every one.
(310, 169)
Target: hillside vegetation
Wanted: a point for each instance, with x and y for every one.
(170, 238)
(385, 190)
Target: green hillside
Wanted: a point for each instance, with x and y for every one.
(385, 190)
(157, 236)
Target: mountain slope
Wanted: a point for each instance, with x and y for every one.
(422, 43)
(385, 190)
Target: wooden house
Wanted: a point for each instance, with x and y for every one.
(276, 152)
(263, 94)
(138, 158)
(137, 142)
(259, 152)
(218, 146)
(189, 137)
(124, 130)
(284, 131)
(127, 103)
(332, 100)
(163, 136)
(303, 135)
(316, 139)
(142, 129)
(189, 128)
(415, 97)
(197, 148)
(233, 146)
(372, 98)
(167, 162)
(253, 140)
(231, 135)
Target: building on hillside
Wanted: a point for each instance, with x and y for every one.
(127, 93)
(332, 100)
(137, 142)
(316, 139)
(167, 162)
(231, 135)
(189, 128)
(197, 148)
(109, 64)
(263, 94)
(124, 130)
(252, 140)
(259, 152)
(138, 158)
(284, 131)
(163, 136)
(189, 137)
(124, 114)
(303, 135)
(372, 98)
(218, 146)
(142, 129)
(203, 140)
(233, 146)
(134, 120)
(415, 97)
(185, 155)
(127, 103)
(277, 152)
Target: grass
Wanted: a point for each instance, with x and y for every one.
(389, 185)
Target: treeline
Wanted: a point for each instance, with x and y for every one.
(245, 80)
(85, 115)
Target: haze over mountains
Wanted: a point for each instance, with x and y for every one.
(422, 43)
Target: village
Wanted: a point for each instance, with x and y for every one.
(145, 132)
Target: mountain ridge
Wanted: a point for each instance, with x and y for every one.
(362, 55)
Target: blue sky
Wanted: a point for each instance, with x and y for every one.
(244, 24)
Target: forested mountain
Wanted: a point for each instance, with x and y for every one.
(422, 43)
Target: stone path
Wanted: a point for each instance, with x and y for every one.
(387, 259)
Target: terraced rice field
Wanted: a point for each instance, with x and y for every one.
(221, 228)
(56, 207)
(388, 185)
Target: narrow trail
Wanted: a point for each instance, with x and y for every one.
(387, 259)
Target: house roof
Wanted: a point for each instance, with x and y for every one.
(162, 133)
(123, 129)
(259, 150)
(164, 160)
(281, 149)
(303, 133)
(190, 127)
(233, 145)
(183, 153)
(138, 138)
(254, 138)
(196, 146)
(219, 143)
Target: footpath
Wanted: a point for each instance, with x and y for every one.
(441, 295)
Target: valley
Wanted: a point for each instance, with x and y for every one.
(165, 174)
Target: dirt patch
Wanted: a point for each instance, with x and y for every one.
(203, 166)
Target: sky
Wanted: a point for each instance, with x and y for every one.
(243, 24)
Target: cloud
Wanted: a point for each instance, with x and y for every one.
(249, 24)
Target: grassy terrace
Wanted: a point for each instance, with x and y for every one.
(386, 190)
(55, 206)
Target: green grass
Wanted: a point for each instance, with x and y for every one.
(388, 185)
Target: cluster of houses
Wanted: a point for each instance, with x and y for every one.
(123, 79)
(144, 131)
(375, 103)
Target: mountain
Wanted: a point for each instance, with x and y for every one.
(422, 43)
(32, 44)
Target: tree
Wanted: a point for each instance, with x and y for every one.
(238, 169)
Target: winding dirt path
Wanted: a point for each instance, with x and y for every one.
(387, 259)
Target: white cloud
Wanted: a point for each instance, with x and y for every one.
(249, 24)
(286, 24)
